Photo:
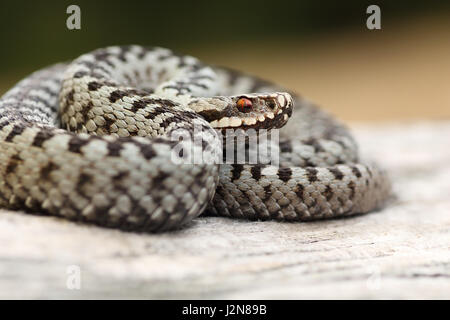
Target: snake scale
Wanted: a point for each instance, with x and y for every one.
(92, 141)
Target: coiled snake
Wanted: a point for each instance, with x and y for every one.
(113, 164)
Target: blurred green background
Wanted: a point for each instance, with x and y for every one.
(320, 48)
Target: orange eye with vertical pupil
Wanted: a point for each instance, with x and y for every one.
(244, 105)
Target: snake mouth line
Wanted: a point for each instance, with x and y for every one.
(273, 122)
(234, 122)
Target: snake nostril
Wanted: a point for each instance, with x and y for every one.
(271, 104)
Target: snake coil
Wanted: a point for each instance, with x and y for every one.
(113, 163)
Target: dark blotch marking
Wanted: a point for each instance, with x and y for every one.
(85, 110)
(312, 174)
(356, 172)
(103, 55)
(16, 130)
(120, 176)
(286, 146)
(236, 172)
(299, 191)
(41, 137)
(164, 57)
(80, 74)
(116, 95)
(164, 102)
(69, 96)
(328, 193)
(148, 72)
(337, 173)
(211, 114)
(94, 86)
(181, 90)
(108, 122)
(76, 143)
(160, 177)
(93, 67)
(39, 100)
(140, 92)
(13, 163)
(284, 174)
(46, 170)
(137, 75)
(128, 77)
(163, 105)
(267, 192)
(114, 149)
(351, 186)
(256, 172)
(164, 124)
(308, 163)
(147, 151)
(124, 50)
(200, 85)
(155, 112)
(315, 144)
(83, 179)
(201, 77)
(338, 141)
(3, 124)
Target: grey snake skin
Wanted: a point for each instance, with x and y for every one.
(113, 163)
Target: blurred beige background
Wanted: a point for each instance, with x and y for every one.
(401, 72)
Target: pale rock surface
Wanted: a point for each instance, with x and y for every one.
(402, 251)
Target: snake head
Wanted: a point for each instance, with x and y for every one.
(246, 111)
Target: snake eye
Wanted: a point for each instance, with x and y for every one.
(244, 105)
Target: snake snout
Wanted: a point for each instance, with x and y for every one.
(284, 100)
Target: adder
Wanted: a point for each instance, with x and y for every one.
(93, 140)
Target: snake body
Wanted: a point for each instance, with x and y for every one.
(92, 141)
